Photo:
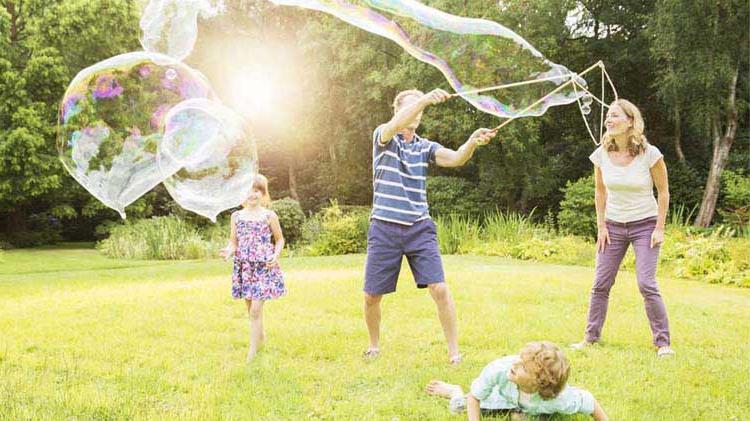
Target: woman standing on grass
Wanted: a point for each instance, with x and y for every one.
(626, 168)
(256, 276)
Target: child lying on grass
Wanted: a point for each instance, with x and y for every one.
(532, 382)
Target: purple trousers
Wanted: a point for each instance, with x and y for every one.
(621, 235)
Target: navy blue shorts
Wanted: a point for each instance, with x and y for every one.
(388, 243)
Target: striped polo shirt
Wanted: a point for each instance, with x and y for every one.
(400, 178)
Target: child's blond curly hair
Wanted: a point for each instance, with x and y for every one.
(547, 364)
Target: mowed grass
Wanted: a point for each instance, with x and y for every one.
(83, 336)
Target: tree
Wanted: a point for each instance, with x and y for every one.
(42, 45)
(703, 45)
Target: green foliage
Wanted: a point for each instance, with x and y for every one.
(28, 170)
(709, 256)
(736, 190)
(713, 256)
(509, 226)
(577, 210)
(350, 77)
(40, 229)
(163, 238)
(451, 195)
(333, 231)
(42, 46)
(457, 234)
(735, 203)
(681, 216)
(291, 218)
(686, 185)
(715, 35)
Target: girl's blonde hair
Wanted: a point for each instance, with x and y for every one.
(636, 139)
(403, 95)
(546, 363)
(261, 184)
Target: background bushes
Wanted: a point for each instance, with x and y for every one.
(577, 212)
(291, 218)
(709, 255)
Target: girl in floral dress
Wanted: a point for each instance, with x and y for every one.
(256, 276)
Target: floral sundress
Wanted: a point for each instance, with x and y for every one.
(251, 278)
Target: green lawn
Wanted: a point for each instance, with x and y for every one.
(88, 337)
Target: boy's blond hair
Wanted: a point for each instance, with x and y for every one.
(404, 94)
(547, 364)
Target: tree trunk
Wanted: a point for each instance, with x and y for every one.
(10, 7)
(14, 224)
(678, 135)
(721, 146)
(293, 181)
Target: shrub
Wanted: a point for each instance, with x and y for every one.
(291, 218)
(311, 230)
(534, 249)
(577, 210)
(706, 255)
(686, 185)
(41, 229)
(166, 237)
(734, 206)
(453, 195)
(336, 232)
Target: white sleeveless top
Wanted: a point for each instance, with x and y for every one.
(630, 188)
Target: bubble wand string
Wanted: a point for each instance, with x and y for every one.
(572, 81)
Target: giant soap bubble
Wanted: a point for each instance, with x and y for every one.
(171, 26)
(486, 63)
(217, 153)
(471, 53)
(111, 123)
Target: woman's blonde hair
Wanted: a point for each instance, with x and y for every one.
(546, 363)
(261, 184)
(636, 139)
(402, 95)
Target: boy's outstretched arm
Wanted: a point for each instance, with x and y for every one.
(472, 408)
(445, 157)
(407, 114)
(598, 413)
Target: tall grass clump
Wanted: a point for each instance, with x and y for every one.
(457, 234)
(680, 216)
(161, 238)
(509, 226)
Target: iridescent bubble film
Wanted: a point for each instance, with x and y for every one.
(471, 53)
(170, 27)
(112, 119)
(217, 153)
